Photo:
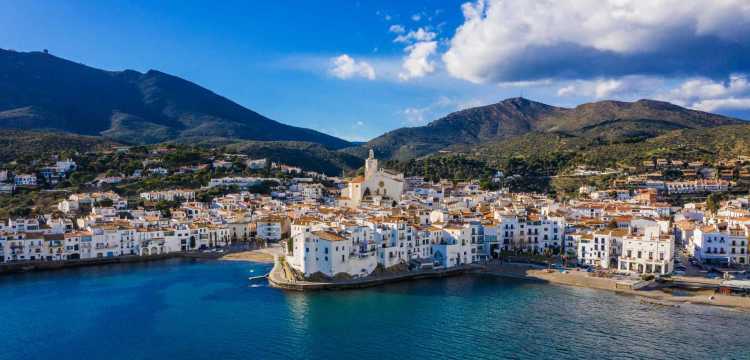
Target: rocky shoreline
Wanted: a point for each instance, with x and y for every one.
(279, 279)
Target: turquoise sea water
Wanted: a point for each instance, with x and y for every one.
(208, 310)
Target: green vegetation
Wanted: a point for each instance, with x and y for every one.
(543, 153)
(27, 146)
(309, 156)
(446, 167)
(29, 202)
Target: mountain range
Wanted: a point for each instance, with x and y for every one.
(519, 116)
(42, 91)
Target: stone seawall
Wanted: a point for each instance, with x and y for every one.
(278, 281)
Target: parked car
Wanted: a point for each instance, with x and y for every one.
(713, 275)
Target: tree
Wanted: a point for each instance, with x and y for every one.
(713, 202)
(20, 211)
(104, 202)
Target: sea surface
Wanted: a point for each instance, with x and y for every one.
(198, 309)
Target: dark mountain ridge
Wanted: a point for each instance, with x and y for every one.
(41, 91)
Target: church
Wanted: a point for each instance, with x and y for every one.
(376, 185)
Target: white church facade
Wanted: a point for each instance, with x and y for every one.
(377, 185)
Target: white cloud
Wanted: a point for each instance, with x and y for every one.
(385, 16)
(420, 34)
(629, 87)
(418, 116)
(417, 63)
(568, 90)
(710, 95)
(345, 67)
(506, 39)
(416, 17)
(697, 93)
(415, 116)
(468, 104)
(731, 103)
(360, 123)
(396, 29)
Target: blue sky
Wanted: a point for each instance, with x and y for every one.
(357, 69)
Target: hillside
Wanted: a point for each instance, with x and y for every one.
(308, 156)
(41, 91)
(547, 154)
(19, 144)
(515, 117)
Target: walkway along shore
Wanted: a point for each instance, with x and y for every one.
(239, 253)
(657, 293)
(31, 266)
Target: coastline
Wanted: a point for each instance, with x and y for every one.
(655, 296)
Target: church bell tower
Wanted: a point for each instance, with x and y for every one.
(371, 165)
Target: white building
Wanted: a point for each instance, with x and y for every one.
(242, 182)
(25, 180)
(7, 188)
(601, 248)
(271, 228)
(697, 186)
(376, 183)
(311, 191)
(711, 245)
(158, 171)
(647, 254)
(257, 164)
(331, 254)
(65, 166)
(169, 195)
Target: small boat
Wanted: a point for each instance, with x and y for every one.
(254, 278)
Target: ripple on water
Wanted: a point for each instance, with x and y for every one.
(209, 310)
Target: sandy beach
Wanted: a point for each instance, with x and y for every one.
(264, 255)
(584, 279)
